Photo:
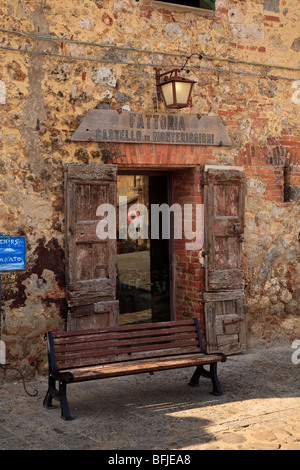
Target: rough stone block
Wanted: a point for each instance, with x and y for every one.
(271, 5)
(104, 76)
(248, 32)
(296, 45)
(172, 31)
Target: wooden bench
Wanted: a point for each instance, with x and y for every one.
(77, 356)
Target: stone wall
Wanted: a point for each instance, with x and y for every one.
(58, 60)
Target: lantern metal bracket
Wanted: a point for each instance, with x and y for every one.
(200, 56)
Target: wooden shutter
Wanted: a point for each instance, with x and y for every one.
(224, 201)
(90, 261)
(224, 205)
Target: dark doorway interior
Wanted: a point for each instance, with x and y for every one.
(143, 264)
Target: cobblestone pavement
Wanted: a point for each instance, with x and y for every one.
(260, 409)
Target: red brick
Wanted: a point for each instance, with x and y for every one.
(272, 18)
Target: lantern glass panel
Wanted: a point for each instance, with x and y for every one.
(182, 91)
(167, 90)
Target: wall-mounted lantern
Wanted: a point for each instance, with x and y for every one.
(175, 90)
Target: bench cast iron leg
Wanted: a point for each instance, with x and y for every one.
(51, 393)
(194, 382)
(65, 411)
(214, 377)
(60, 394)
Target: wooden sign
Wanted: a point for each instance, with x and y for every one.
(101, 125)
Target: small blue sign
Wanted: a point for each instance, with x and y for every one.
(12, 254)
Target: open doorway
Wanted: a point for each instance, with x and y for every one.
(144, 267)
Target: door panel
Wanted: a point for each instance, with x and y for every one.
(224, 202)
(98, 315)
(225, 323)
(90, 262)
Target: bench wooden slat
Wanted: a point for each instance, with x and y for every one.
(109, 342)
(75, 360)
(123, 328)
(128, 358)
(91, 348)
(70, 341)
(122, 369)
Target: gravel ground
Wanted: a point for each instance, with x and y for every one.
(260, 409)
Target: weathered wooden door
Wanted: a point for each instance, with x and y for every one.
(90, 261)
(224, 202)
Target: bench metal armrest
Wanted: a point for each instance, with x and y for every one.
(202, 348)
(65, 377)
